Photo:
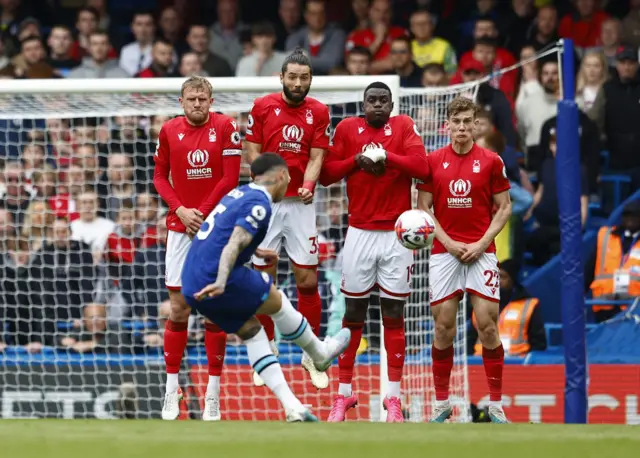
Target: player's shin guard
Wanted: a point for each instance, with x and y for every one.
(442, 366)
(295, 328)
(266, 365)
(215, 344)
(310, 305)
(493, 361)
(394, 344)
(348, 358)
(267, 324)
(175, 342)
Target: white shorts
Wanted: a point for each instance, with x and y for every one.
(372, 258)
(294, 224)
(448, 278)
(178, 244)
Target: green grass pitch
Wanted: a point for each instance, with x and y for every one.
(195, 439)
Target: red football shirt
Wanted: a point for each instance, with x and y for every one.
(366, 37)
(463, 187)
(507, 82)
(585, 33)
(196, 157)
(290, 131)
(376, 202)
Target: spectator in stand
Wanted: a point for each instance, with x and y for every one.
(616, 111)
(60, 41)
(99, 64)
(147, 212)
(136, 56)
(434, 75)
(611, 40)
(428, 49)
(143, 283)
(62, 278)
(38, 221)
(521, 323)
(190, 65)
(546, 27)
(120, 184)
(90, 228)
(225, 33)
(104, 20)
(377, 38)
(161, 60)
(199, 41)
(491, 99)
(96, 335)
(544, 241)
(170, 29)
(529, 71)
(358, 61)
(87, 25)
(484, 132)
(45, 182)
(15, 193)
(402, 63)
(583, 26)
(631, 25)
(358, 16)
(64, 203)
(520, 25)
(323, 42)
(32, 159)
(32, 52)
(289, 21)
(337, 224)
(613, 271)
(592, 75)
(264, 61)
(537, 102)
(484, 9)
(86, 157)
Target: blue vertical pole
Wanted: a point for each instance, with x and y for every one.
(572, 292)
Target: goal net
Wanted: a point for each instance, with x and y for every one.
(82, 317)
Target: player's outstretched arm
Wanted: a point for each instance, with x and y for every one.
(239, 240)
(425, 203)
(252, 151)
(311, 174)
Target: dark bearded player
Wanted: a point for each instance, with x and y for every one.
(295, 127)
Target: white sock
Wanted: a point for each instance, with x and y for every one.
(294, 327)
(345, 389)
(393, 389)
(442, 403)
(172, 383)
(213, 387)
(266, 365)
(495, 403)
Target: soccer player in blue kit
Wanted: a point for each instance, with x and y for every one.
(216, 282)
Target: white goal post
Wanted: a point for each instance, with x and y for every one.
(33, 105)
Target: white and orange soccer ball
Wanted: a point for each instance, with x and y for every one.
(415, 229)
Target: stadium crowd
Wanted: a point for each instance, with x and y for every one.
(82, 229)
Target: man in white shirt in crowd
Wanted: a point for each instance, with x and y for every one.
(264, 61)
(90, 228)
(136, 56)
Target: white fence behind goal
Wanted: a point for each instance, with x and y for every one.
(43, 297)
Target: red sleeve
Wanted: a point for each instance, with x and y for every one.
(414, 161)
(564, 30)
(427, 185)
(231, 159)
(162, 171)
(323, 129)
(338, 163)
(499, 180)
(254, 123)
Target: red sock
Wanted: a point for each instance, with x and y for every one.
(347, 360)
(442, 365)
(310, 306)
(267, 324)
(175, 342)
(493, 361)
(215, 343)
(395, 345)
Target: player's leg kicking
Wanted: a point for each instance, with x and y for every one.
(235, 309)
(372, 257)
(300, 236)
(448, 280)
(176, 336)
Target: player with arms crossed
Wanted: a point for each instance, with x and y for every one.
(201, 152)
(217, 284)
(360, 150)
(297, 128)
(467, 183)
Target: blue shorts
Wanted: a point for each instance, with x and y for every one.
(245, 292)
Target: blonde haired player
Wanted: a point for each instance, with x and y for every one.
(201, 152)
(467, 183)
(295, 127)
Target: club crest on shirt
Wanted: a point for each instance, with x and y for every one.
(309, 116)
(476, 166)
(212, 134)
(387, 130)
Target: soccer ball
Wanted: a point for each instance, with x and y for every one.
(415, 229)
